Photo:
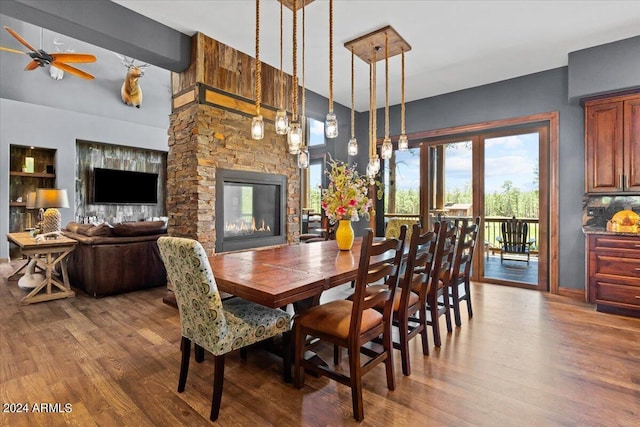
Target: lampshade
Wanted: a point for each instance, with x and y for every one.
(31, 200)
(51, 198)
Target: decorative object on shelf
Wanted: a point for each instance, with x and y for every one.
(331, 122)
(366, 48)
(346, 196)
(624, 221)
(40, 58)
(403, 141)
(31, 204)
(257, 124)
(131, 92)
(28, 164)
(344, 235)
(282, 120)
(51, 199)
(352, 147)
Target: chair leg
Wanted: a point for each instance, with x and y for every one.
(243, 353)
(356, 383)
(455, 296)
(423, 332)
(447, 310)
(403, 333)
(185, 345)
(435, 324)
(199, 353)
(298, 355)
(387, 342)
(467, 289)
(337, 355)
(287, 351)
(218, 379)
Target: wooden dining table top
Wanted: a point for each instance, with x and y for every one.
(278, 276)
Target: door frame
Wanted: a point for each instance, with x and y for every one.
(551, 180)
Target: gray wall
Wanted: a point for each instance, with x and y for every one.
(37, 110)
(606, 68)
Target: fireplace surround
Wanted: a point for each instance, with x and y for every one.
(250, 209)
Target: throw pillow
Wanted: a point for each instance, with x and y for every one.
(141, 228)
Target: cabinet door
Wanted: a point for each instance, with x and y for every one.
(604, 147)
(632, 144)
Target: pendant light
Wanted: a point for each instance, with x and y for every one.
(331, 122)
(387, 149)
(282, 120)
(352, 147)
(257, 124)
(303, 153)
(403, 142)
(294, 137)
(374, 162)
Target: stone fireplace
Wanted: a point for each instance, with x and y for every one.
(210, 144)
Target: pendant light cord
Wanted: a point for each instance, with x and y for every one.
(303, 50)
(258, 63)
(402, 112)
(353, 114)
(281, 93)
(330, 56)
(294, 90)
(386, 85)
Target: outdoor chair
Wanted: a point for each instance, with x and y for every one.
(514, 242)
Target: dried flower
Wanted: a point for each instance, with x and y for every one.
(347, 196)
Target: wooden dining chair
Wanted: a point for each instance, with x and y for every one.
(459, 283)
(354, 323)
(212, 324)
(438, 293)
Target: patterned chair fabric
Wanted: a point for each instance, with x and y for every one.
(219, 327)
(393, 227)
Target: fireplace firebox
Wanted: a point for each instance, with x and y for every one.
(250, 209)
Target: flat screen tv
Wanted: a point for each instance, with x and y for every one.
(112, 186)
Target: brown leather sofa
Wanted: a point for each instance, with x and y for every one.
(115, 259)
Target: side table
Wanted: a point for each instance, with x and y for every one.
(46, 253)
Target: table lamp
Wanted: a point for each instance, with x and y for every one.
(51, 199)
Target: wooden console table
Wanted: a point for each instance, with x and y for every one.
(46, 253)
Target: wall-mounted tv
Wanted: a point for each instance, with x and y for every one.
(112, 186)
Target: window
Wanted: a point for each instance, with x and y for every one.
(316, 133)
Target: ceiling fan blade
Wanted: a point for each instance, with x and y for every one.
(13, 50)
(32, 66)
(20, 39)
(72, 70)
(73, 57)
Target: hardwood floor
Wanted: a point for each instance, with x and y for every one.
(525, 359)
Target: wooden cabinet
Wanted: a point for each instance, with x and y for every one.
(612, 144)
(613, 266)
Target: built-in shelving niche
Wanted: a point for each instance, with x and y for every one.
(99, 155)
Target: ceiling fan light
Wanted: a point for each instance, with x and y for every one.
(403, 143)
(331, 126)
(352, 147)
(282, 122)
(257, 128)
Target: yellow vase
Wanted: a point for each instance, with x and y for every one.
(344, 235)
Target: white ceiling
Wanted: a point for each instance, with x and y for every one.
(455, 44)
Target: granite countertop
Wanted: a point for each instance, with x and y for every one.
(586, 229)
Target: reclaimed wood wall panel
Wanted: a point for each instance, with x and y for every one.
(222, 67)
(98, 155)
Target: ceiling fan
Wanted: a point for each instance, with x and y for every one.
(40, 58)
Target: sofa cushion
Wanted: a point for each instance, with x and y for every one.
(73, 227)
(90, 230)
(141, 228)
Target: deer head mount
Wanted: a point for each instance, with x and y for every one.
(131, 92)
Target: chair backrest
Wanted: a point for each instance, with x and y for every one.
(465, 247)
(443, 255)
(514, 235)
(368, 273)
(202, 317)
(418, 264)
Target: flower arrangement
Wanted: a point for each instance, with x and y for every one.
(347, 194)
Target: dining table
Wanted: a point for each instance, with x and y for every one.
(288, 274)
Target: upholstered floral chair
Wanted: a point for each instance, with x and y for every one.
(212, 324)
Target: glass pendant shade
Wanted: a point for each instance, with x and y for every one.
(376, 164)
(303, 158)
(331, 126)
(257, 128)
(387, 149)
(294, 138)
(282, 122)
(352, 148)
(403, 143)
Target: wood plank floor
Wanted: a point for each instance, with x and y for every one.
(525, 359)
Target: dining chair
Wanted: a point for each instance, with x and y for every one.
(409, 308)
(438, 292)
(459, 282)
(354, 323)
(210, 323)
